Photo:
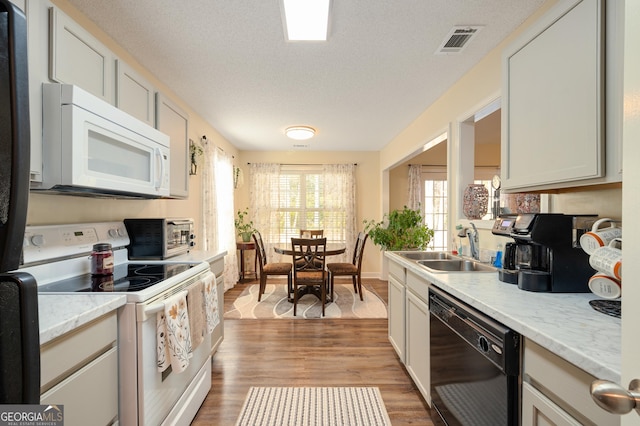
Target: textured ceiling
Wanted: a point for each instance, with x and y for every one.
(376, 73)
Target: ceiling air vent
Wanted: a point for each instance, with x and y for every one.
(457, 39)
(297, 146)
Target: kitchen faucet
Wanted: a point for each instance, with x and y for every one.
(474, 244)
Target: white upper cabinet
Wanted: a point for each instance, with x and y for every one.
(134, 94)
(173, 121)
(554, 97)
(79, 58)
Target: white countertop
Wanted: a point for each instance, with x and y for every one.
(200, 256)
(60, 313)
(563, 323)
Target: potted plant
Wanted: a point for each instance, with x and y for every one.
(245, 230)
(400, 230)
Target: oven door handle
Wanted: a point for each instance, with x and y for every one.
(145, 311)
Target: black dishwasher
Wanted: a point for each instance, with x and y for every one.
(475, 363)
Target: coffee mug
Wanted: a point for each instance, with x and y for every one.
(597, 237)
(608, 260)
(605, 286)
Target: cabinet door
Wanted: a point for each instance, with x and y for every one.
(76, 57)
(134, 94)
(173, 121)
(537, 410)
(397, 316)
(89, 395)
(553, 114)
(417, 333)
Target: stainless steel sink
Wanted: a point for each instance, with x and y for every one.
(426, 255)
(456, 265)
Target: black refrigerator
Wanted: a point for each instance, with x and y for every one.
(19, 329)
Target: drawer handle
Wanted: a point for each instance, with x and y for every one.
(614, 398)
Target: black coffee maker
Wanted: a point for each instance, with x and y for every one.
(545, 254)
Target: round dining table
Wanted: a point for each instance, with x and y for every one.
(331, 250)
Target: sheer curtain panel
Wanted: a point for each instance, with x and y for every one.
(218, 209)
(264, 196)
(415, 188)
(340, 204)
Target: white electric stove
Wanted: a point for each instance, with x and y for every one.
(58, 256)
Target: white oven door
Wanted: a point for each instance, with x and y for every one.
(158, 393)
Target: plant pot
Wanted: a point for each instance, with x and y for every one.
(246, 236)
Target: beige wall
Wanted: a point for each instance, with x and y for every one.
(367, 184)
(54, 209)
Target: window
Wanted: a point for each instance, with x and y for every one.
(303, 206)
(435, 205)
(435, 212)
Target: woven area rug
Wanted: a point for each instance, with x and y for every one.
(335, 406)
(274, 304)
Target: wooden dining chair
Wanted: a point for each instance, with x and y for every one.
(273, 268)
(354, 269)
(309, 271)
(312, 233)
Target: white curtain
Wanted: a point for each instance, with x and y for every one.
(217, 209)
(416, 198)
(264, 193)
(340, 195)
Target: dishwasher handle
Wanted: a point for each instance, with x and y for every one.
(495, 342)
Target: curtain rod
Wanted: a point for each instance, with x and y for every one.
(305, 164)
(205, 140)
(444, 165)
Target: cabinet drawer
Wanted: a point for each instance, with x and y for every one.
(397, 271)
(62, 355)
(568, 384)
(90, 395)
(538, 410)
(419, 286)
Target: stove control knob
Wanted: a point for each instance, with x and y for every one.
(114, 232)
(37, 240)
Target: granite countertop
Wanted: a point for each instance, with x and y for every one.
(563, 323)
(61, 313)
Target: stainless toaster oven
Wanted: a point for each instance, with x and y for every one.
(155, 239)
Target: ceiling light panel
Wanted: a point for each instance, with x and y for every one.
(306, 20)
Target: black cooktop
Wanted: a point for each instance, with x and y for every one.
(128, 277)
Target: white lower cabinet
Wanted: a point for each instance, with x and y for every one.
(80, 372)
(556, 392)
(417, 356)
(409, 324)
(396, 316)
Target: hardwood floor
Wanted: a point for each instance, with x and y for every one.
(323, 352)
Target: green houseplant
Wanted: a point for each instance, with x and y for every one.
(400, 230)
(244, 229)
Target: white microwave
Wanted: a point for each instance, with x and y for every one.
(92, 148)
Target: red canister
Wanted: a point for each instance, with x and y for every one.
(102, 259)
